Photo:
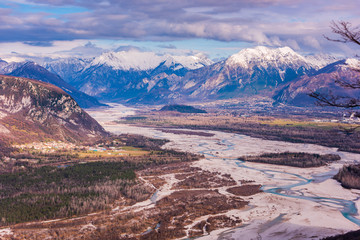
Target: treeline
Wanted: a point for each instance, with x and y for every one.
(349, 176)
(353, 235)
(137, 141)
(329, 137)
(182, 109)
(5, 149)
(294, 159)
(53, 192)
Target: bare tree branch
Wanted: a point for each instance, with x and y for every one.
(348, 84)
(346, 32)
(335, 101)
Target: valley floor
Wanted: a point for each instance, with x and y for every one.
(194, 199)
(296, 203)
(311, 210)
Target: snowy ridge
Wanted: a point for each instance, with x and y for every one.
(353, 63)
(71, 60)
(142, 61)
(264, 57)
(321, 60)
(189, 62)
(131, 60)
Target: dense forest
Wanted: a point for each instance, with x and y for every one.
(182, 109)
(53, 192)
(293, 159)
(349, 176)
(37, 186)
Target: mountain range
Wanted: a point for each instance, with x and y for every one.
(144, 77)
(148, 78)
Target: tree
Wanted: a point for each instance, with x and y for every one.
(346, 34)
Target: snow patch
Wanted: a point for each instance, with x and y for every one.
(189, 84)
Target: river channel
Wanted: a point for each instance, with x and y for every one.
(300, 196)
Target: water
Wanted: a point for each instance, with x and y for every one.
(346, 207)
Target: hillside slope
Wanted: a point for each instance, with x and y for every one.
(31, 110)
(34, 71)
(323, 82)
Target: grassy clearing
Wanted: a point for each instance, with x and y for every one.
(125, 151)
(296, 123)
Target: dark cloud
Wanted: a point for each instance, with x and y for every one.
(167, 46)
(40, 44)
(300, 23)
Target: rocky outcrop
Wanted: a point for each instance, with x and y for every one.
(32, 110)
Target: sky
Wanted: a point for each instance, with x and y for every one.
(86, 28)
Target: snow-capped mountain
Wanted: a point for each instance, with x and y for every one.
(323, 82)
(247, 72)
(6, 67)
(134, 60)
(264, 57)
(188, 62)
(67, 68)
(127, 74)
(2, 63)
(128, 60)
(319, 61)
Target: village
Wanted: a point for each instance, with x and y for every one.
(100, 150)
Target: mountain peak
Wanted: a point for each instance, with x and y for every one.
(264, 56)
(321, 60)
(267, 50)
(128, 60)
(189, 62)
(353, 63)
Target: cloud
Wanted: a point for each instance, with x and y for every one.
(87, 50)
(292, 43)
(312, 42)
(40, 44)
(127, 48)
(167, 46)
(298, 23)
